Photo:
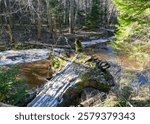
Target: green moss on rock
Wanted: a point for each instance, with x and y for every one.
(94, 78)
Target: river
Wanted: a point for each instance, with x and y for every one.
(34, 65)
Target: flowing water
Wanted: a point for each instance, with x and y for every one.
(108, 54)
(35, 72)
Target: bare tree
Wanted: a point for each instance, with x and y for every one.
(39, 25)
(66, 12)
(49, 17)
(71, 17)
(0, 19)
(59, 17)
(53, 16)
(8, 21)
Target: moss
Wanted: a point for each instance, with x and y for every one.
(90, 79)
(20, 46)
(94, 79)
(114, 101)
(82, 58)
(141, 103)
(110, 104)
(94, 84)
(55, 62)
(3, 48)
(78, 46)
(122, 104)
(58, 63)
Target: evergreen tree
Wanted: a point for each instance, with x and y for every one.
(93, 19)
(134, 20)
(133, 29)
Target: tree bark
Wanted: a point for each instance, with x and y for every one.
(39, 26)
(49, 17)
(71, 17)
(51, 22)
(59, 18)
(9, 22)
(0, 20)
(66, 13)
(76, 14)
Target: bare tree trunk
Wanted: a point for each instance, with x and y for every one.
(59, 18)
(86, 8)
(112, 12)
(31, 12)
(39, 26)
(55, 31)
(66, 13)
(71, 17)
(76, 14)
(0, 20)
(59, 24)
(106, 9)
(49, 17)
(9, 21)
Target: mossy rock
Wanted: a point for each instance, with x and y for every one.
(95, 84)
(90, 79)
(97, 77)
(73, 94)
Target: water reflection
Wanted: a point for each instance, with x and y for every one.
(35, 73)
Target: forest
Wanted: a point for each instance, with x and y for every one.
(78, 53)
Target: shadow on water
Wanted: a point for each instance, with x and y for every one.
(35, 73)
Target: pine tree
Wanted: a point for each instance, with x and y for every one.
(134, 20)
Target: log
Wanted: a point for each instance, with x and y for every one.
(48, 45)
(92, 43)
(85, 44)
(53, 90)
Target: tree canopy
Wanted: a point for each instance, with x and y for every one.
(134, 24)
